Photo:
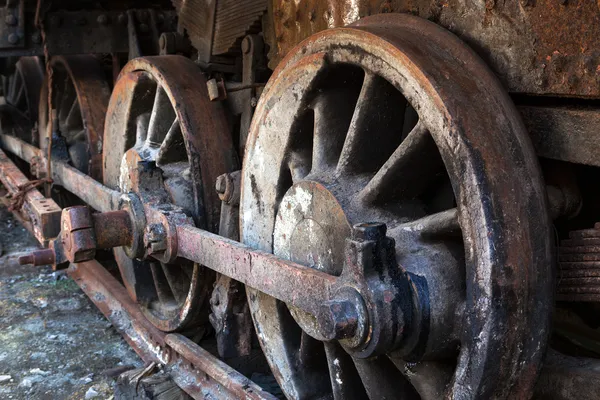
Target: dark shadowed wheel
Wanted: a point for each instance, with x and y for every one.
(168, 143)
(22, 93)
(393, 119)
(80, 95)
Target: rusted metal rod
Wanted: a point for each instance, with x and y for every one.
(92, 192)
(297, 285)
(198, 372)
(236, 383)
(20, 148)
(112, 229)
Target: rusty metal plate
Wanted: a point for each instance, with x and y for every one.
(535, 46)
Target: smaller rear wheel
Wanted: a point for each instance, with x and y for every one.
(168, 144)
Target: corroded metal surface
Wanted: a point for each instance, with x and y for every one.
(579, 266)
(302, 130)
(542, 47)
(235, 19)
(238, 385)
(43, 214)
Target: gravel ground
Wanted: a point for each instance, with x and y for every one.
(54, 343)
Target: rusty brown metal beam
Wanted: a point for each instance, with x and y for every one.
(43, 214)
(195, 370)
(237, 384)
(87, 189)
(20, 148)
(92, 192)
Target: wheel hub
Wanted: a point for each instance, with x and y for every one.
(311, 228)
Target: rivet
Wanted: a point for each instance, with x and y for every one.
(102, 19)
(10, 19)
(13, 38)
(36, 38)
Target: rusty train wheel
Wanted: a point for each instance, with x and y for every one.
(168, 144)
(22, 93)
(393, 119)
(80, 95)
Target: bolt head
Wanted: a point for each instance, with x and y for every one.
(155, 232)
(213, 89)
(102, 19)
(338, 319)
(10, 19)
(13, 38)
(36, 38)
(369, 231)
(221, 184)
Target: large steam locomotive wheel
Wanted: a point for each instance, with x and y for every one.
(393, 119)
(168, 143)
(22, 94)
(80, 95)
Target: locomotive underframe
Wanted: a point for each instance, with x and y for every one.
(551, 72)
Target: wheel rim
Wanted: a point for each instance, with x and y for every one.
(350, 150)
(159, 115)
(80, 95)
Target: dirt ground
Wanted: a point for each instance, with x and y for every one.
(54, 343)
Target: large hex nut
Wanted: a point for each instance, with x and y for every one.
(78, 237)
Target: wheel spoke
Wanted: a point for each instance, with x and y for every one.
(376, 127)
(163, 289)
(141, 129)
(429, 378)
(15, 85)
(409, 169)
(20, 96)
(172, 148)
(299, 164)
(161, 119)
(135, 275)
(73, 119)
(438, 224)
(333, 112)
(382, 380)
(310, 352)
(177, 282)
(345, 381)
(67, 98)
